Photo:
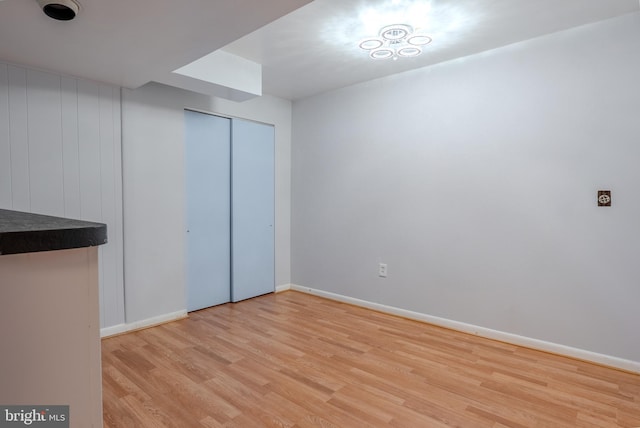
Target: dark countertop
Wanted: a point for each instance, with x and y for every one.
(29, 233)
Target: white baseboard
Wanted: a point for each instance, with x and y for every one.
(541, 345)
(283, 287)
(138, 325)
(150, 322)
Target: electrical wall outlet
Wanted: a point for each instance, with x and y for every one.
(604, 198)
(382, 270)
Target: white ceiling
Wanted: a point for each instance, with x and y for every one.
(311, 50)
(315, 48)
(129, 42)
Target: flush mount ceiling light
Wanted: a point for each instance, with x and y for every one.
(62, 10)
(395, 41)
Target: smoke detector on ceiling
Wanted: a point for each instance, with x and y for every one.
(62, 10)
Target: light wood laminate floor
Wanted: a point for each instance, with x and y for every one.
(294, 360)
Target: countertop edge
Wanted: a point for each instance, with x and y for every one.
(30, 233)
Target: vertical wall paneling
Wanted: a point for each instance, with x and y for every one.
(116, 236)
(108, 195)
(19, 139)
(60, 154)
(45, 143)
(70, 147)
(5, 148)
(89, 150)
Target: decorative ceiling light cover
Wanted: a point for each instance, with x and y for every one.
(395, 41)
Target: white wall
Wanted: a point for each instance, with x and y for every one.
(154, 188)
(60, 155)
(476, 181)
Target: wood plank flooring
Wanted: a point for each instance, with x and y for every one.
(294, 360)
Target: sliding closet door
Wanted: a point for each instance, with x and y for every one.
(208, 140)
(252, 190)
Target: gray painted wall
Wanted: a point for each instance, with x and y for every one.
(475, 181)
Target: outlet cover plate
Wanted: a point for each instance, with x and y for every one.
(382, 270)
(604, 198)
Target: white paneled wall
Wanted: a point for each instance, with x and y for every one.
(60, 154)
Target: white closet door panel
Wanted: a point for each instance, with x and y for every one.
(5, 146)
(19, 137)
(207, 155)
(45, 143)
(252, 189)
(70, 150)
